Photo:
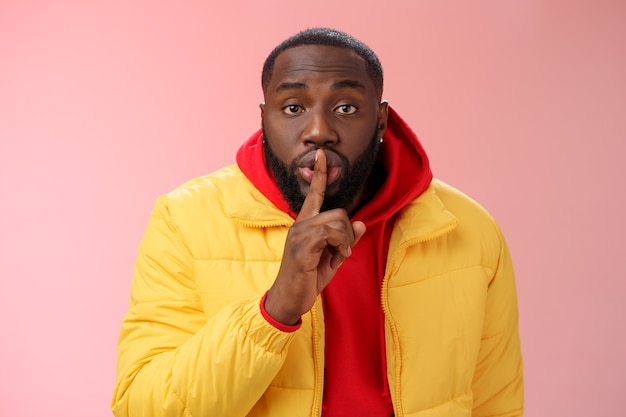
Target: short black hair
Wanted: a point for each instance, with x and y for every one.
(327, 37)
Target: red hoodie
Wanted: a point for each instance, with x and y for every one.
(355, 370)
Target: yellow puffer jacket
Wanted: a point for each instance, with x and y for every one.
(194, 342)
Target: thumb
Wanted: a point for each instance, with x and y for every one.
(358, 228)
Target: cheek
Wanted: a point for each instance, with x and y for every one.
(278, 139)
(356, 140)
(284, 142)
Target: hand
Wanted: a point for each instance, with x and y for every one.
(316, 246)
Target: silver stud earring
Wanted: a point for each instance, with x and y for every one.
(380, 140)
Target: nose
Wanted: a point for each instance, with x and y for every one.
(318, 129)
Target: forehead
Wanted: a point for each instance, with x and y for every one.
(308, 63)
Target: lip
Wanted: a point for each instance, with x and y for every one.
(306, 166)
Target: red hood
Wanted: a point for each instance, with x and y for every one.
(404, 158)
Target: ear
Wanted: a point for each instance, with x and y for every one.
(383, 113)
(262, 107)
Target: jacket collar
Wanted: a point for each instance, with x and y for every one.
(250, 207)
(425, 218)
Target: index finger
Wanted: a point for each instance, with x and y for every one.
(315, 197)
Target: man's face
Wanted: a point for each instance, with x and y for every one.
(322, 97)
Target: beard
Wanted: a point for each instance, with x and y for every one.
(353, 179)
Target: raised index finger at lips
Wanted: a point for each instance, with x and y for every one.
(315, 197)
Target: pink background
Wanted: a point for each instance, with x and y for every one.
(521, 104)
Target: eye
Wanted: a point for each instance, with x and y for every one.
(346, 109)
(292, 109)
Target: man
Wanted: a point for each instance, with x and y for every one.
(327, 273)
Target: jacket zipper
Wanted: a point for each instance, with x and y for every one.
(318, 365)
(395, 397)
(257, 225)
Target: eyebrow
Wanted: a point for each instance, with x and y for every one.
(339, 84)
(348, 84)
(291, 86)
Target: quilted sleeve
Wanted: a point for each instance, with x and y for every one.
(498, 379)
(172, 361)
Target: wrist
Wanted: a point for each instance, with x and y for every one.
(283, 322)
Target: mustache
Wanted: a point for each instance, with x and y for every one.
(307, 158)
(307, 154)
